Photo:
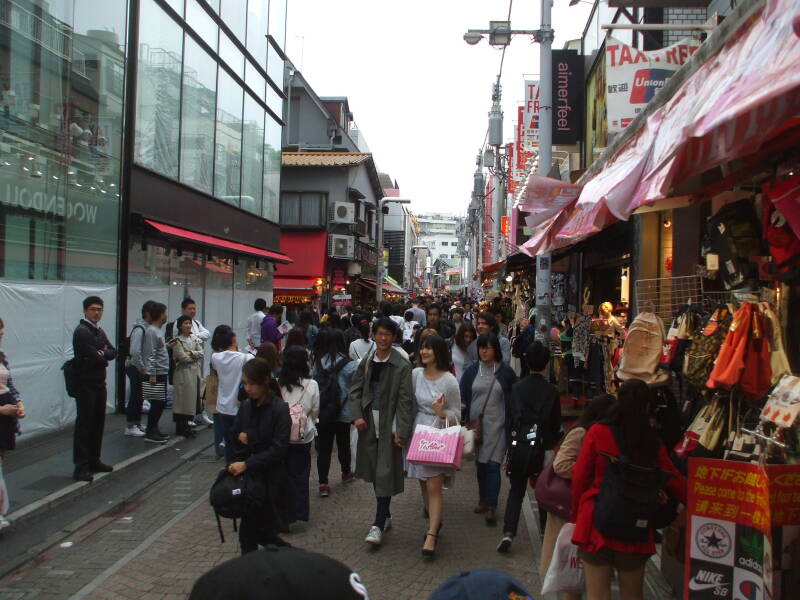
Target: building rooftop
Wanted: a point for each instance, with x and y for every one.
(324, 159)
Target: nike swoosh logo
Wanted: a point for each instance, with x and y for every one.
(696, 586)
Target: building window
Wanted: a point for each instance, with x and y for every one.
(228, 151)
(252, 156)
(272, 169)
(303, 209)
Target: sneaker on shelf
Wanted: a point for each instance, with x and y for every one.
(156, 438)
(204, 419)
(388, 525)
(348, 477)
(324, 490)
(505, 544)
(134, 431)
(374, 536)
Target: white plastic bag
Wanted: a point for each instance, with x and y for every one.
(565, 573)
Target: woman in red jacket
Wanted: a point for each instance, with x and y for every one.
(640, 442)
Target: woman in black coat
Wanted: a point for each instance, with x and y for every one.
(261, 431)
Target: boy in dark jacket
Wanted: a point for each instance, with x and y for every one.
(92, 352)
(533, 400)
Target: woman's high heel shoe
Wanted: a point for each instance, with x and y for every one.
(425, 551)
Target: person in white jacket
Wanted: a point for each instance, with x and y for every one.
(227, 361)
(301, 393)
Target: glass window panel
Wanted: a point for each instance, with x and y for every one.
(231, 55)
(252, 155)
(158, 90)
(275, 67)
(277, 22)
(290, 209)
(228, 147)
(272, 169)
(218, 305)
(197, 115)
(310, 209)
(274, 101)
(177, 6)
(214, 5)
(255, 80)
(257, 18)
(234, 14)
(202, 23)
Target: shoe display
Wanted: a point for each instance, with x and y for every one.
(101, 467)
(348, 477)
(82, 475)
(324, 490)
(491, 517)
(375, 536)
(134, 431)
(505, 544)
(155, 438)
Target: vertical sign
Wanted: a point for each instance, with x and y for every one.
(567, 97)
(531, 123)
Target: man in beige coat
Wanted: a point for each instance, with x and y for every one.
(381, 406)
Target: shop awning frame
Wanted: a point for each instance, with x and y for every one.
(293, 284)
(215, 242)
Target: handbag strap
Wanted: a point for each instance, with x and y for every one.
(488, 395)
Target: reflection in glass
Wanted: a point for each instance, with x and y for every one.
(234, 14)
(275, 67)
(252, 155)
(197, 116)
(202, 23)
(272, 169)
(277, 22)
(228, 150)
(274, 101)
(254, 80)
(231, 55)
(257, 16)
(158, 91)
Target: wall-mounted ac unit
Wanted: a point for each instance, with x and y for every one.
(343, 212)
(341, 246)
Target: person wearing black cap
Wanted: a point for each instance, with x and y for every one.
(280, 574)
(481, 584)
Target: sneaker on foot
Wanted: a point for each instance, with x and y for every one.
(348, 477)
(191, 424)
(206, 419)
(505, 544)
(134, 431)
(374, 536)
(324, 491)
(155, 438)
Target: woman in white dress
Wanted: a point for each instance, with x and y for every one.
(438, 403)
(461, 341)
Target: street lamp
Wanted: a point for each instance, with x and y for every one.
(379, 269)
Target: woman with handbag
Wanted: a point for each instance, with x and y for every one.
(301, 394)
(260, 438)
(11, 410)
(486, 396)
(561, 468)
(608, 533)
(437, 400)
(188, 353)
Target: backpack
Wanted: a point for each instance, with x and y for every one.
(70, 369)
(626, 507)
(735, 235)
(169, 334)
(125, 345)
(236, 496)
(641, 354)
(299, 420)
(330, 394)
(525, 452)
(704, 348)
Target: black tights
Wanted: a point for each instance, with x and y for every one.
(382, 511)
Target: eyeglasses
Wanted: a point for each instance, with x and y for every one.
(95, 308)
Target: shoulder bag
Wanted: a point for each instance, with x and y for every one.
(477, 426)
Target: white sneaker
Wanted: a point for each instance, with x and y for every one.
(374, 536)
(388, 525)
(134, 431)
(191, 424)
(142, 429)
(206, 418)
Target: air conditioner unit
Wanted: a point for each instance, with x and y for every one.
(343, 212)
(341, 246)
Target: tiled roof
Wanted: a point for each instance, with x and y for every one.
(324, 159)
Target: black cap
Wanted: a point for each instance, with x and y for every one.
(279, 574)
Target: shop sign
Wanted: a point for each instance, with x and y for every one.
(530, 125)
(342, 297)
(595, 122)
(634, 77)
(567, 96)
(338, 278)
(741, 520)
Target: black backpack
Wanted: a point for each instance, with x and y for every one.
(70, 369)
(628, 502)
(330, 394)
(526, 451)
(169, 334)
(236, 496)
(124, 349)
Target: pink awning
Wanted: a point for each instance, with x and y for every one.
(740, 98)
(546, 197)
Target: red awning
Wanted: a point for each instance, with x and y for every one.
(293, 284)
(210, 240)
(493, 267)
(728, 108)
(309, 249)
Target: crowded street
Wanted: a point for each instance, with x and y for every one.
(462, 300)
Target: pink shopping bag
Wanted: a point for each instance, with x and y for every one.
(436, 447)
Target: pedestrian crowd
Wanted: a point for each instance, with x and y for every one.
(365, 379)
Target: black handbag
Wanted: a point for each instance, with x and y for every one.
(236, 496)
(525, 455)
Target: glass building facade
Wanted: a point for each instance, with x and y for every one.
(206, 111)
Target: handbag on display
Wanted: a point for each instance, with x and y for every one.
(436, 447)
(554, 493)
(705, 431)
(704, 347)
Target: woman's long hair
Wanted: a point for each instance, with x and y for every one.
(595, 411)
(295, 367)
(259, 370)
(629, 418)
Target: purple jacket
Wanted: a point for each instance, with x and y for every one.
(269, 330)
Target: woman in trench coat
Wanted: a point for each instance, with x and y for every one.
(188, 353)
(382, 407)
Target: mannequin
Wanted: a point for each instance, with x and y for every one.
(602, 343)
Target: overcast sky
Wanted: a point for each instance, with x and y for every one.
(418, 92)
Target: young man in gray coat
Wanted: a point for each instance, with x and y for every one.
(381, 406)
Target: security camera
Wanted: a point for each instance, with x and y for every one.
(472, 37)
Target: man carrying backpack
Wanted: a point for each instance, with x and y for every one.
(135, 370)
(333, 371)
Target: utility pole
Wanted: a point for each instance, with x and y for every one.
(496, 140)
(543, 261)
